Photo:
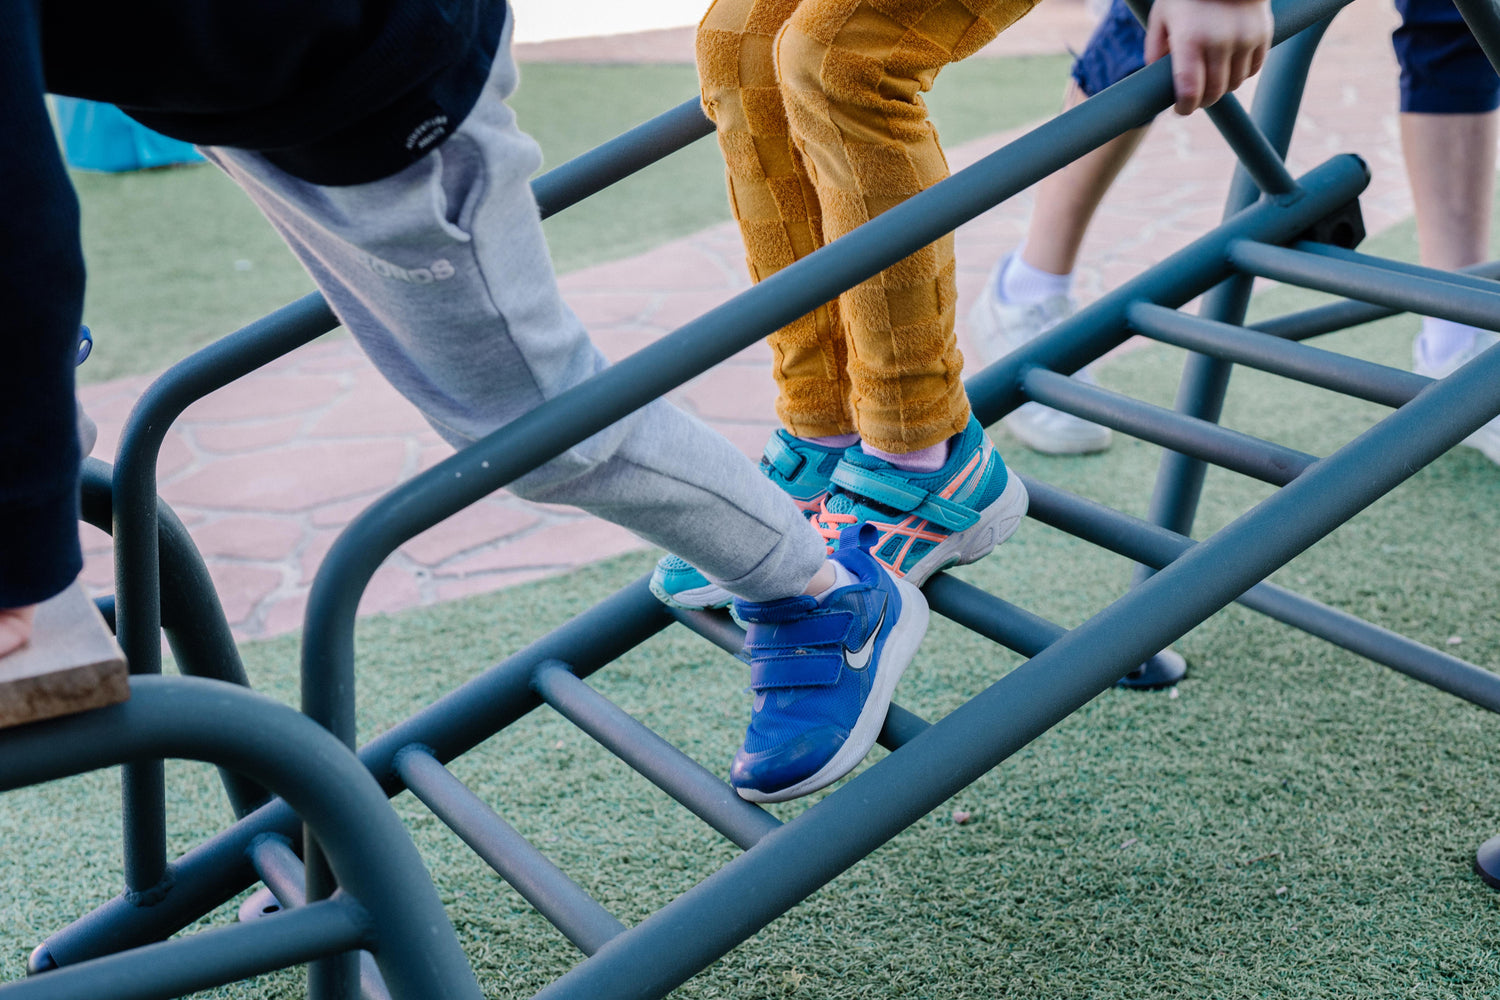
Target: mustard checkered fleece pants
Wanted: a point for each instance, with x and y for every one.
(821, 121)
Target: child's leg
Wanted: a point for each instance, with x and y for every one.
(442, 273)
(774, 202)
(851, 74)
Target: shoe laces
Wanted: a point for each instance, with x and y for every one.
(829, 523)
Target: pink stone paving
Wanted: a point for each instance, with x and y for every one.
(267, 472)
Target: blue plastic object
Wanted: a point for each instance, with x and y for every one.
(102, 137)
(85, 344)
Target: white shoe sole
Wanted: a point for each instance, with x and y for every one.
(707, 598)
(997, 522)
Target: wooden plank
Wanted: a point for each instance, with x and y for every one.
(71, 664)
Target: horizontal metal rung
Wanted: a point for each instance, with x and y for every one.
(901, 725)
(1342, 315)
(558, 898)
(1201, 439)
(1157, 547)
(706, 795)
(283, 873)
(1325, 369)
(197, 962)
(280, 869)
(1370, 279)
(992, 617)
(1462, 279)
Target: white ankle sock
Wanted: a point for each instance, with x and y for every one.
(1021, 284)
(841, 578)
(1443, 340)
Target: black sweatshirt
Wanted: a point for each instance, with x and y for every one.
(332, 91)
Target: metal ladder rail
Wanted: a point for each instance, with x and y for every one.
(561, 901)
(693, 930)
(1291, 359)
(494, 461)
(1143, 542)
(390, 906)
(1353, 376)
(1210, 442)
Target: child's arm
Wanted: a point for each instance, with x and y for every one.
(1215, 45)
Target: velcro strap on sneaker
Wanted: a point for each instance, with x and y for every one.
(903, 496)
(794, 668)
(782, 458)
(807, 655)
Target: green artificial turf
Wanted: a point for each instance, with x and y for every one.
(1295, 822)
(177, 258)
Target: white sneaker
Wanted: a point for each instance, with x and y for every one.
(997, 329)
(1487, 438)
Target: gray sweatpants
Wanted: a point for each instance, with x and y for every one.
(442, 274)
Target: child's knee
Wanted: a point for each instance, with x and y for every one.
(733, 49)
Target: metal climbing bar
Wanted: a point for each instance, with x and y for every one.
(1257, 154)
(389, 904)
(1231, 449)
(565, 904)
(1309, 365)
(1337, 316)
(209, 959)
(707, 795)
(1368, 278)
(1154, 546)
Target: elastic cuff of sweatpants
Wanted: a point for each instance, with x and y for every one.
(786, 570)
(1450, 100)
(41, 555)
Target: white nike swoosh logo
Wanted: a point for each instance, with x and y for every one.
(859, 659)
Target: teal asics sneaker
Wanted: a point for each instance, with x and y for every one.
(927, 521)
(802, 469)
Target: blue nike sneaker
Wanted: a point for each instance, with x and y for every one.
(802, 469)
(823, 674)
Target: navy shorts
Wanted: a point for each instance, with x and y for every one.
(1443, 69)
